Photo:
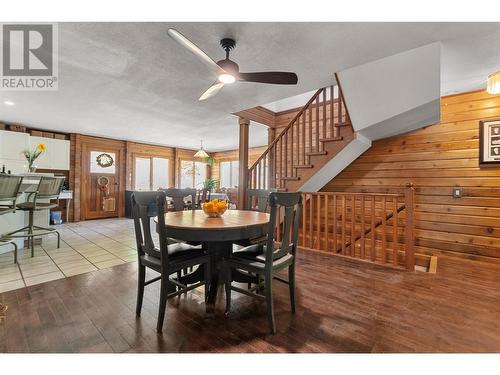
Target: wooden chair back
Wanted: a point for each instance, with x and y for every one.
(286, 212)
(146, 205)
(257, 199)
(178, 195)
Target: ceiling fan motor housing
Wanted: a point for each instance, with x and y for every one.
(227, 44)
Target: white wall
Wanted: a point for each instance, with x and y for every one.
(385, 88)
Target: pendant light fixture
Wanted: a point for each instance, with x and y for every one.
(493, 85)
(201, 153)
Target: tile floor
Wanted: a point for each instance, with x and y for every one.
(85, 247)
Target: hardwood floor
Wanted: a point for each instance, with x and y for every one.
(343, 306)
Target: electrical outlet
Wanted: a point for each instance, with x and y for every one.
(457, 192)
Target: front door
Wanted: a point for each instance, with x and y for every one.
(101, 189)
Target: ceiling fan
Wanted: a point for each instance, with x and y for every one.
(227, 70)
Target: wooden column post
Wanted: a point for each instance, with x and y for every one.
(409, 228)
(243, 162)
(271, 134)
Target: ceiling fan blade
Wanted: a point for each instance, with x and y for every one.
(279, 78)
(186, 43)
(212, 90)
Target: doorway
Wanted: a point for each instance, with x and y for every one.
(102, 186)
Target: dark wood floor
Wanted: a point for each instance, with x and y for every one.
(343, 306)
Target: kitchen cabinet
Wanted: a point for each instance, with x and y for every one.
(60, 154)
(12, 144)
(56, 156)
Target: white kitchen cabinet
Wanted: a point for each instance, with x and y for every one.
(12, 144)
(44, 161)
(55, 157)
(60, 154)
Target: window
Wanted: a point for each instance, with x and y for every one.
(229, 174)
(142, 174)
(102, 162)
(192, 174)
(160, 173)
(151, 173)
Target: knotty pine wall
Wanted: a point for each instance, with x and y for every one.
(436, 159)
(253, 155)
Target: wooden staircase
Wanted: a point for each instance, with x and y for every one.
(315, 134)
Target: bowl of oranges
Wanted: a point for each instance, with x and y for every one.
(214, 208)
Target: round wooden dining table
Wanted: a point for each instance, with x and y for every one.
(217, 236)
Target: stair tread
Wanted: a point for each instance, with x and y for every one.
(342, 124)
(316, 153)
(331, 139)
(291, 178)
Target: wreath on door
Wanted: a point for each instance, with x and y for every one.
(104, 160)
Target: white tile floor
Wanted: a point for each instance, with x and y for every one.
(85, 247)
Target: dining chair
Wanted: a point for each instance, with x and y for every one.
(203, 196)
(178, 195)
(267, 259)
(9, 190)
(257, 199)
(49, 188)
(168, 259)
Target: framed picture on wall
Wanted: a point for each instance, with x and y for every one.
(489, 142)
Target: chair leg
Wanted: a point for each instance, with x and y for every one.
(141, 279)
(227, 287)
(207, 276)
(30, 231)
(15, 251)
(269, 303)
(179, 275)
(291, 286)
(163, 303)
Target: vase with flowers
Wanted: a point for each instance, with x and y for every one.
(32, 155)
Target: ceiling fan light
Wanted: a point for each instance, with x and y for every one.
(226, 78)
(493, 85)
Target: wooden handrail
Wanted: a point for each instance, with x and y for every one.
(379, 223)
(279, 136)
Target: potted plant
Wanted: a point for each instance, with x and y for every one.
(209, 161)
(32, 155)
(210, 184)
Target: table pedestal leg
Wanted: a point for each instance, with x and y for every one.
(217, 251)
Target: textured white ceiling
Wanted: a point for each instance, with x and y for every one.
(131, 81)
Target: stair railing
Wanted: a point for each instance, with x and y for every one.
(373, 227)
(317, 121)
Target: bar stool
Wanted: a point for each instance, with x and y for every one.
(48, 188)
(9, 189)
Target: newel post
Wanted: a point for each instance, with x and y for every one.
(243, 162)
(410, 226)
(271, 178)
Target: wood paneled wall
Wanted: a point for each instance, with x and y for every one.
(436, 159)
(253, 155)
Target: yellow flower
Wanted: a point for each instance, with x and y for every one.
(41, 147)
